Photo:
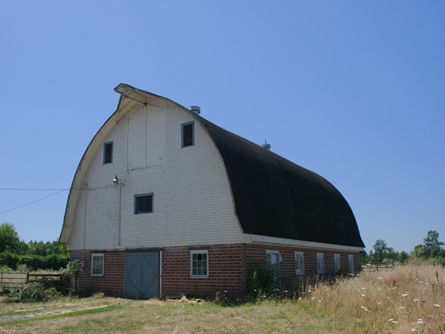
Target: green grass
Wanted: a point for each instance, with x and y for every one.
(74, 313)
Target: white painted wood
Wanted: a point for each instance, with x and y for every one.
(192, 197)
(261, 239)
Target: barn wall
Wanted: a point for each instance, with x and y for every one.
(229, 266)
(192, 197)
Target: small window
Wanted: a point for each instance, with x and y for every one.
(337, 262)
(351, 263)
(143, 203)
(320, 263)
(199, 263)
(108, 153)
(97, 264)
(273, 259)
(188, 134)
(299, 263)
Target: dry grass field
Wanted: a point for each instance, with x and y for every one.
(408, 299)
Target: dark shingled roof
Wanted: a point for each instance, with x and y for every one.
(275, 197)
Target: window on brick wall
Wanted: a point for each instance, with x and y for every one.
(320, 263)
(97, 264)
(143, 203)
(351, 263)
(273, 259)
(337, 262)
(188, 134)
(299, 263)
(108, 153)
(199, 264)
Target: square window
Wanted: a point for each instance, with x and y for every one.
(299, 263)
(143, 203)
(199, 264)
(108, 152)
(188, 134)
(97, 264)
(320, 263)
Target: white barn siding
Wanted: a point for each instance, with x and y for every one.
(192, 198)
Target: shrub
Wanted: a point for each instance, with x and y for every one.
(33, 292)
(260, 281)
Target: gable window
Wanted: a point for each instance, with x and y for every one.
(351, 263)
(108, 153)
(97, 264)
(299, 263)
(143, 203)
(337, 262)
(188, 134)
(320, 263)
(199, 264)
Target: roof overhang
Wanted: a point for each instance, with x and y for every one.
(274, 241)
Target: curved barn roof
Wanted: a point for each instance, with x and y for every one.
(272, 196)
(275, 197)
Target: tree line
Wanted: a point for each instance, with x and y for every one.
(16, 254)
(430, 251)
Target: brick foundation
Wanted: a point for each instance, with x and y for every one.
(228, 267)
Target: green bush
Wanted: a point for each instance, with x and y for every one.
(33, 292)
(261, 281)
(9, 259)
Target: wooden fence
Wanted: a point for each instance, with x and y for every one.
(16, 280)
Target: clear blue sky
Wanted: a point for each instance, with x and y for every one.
(352, 90)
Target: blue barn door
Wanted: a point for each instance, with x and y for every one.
(142, 275)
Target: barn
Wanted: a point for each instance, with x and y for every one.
(166, 203)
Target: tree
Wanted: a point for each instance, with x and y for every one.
(9, 239)
(432, 240)
(380, 251)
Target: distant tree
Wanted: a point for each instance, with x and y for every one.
(9, 239)
(380, 251)
(432, 240)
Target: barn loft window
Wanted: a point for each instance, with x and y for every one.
(108, 153)
(351, 263)
(143, 203)
(188, 134)
(97, 264)
(337, 262)
(299, 263)
(320, 263)
(199, 264)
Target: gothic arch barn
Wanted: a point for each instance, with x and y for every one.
(164, 202)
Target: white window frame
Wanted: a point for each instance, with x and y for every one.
(351, 265)
(101, 255)
(321, 268)
(299, 271)
(337, 262)
(199, 251)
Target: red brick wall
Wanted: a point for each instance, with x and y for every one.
(228, 266)
(225, 269)
(111, 283)
(256, 254)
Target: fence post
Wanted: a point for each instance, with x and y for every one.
(27, 277)
(1, 280)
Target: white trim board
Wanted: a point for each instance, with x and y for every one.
(261, 239)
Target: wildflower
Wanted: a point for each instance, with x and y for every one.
(364, 308)
(395, 322)
(390, 320)
(401, 307)
(436, 305)
(420, 322)
(363, 295)
(403, 295)
(413, 329)
(416, 300)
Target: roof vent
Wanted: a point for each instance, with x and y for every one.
(195, 109)
(266, 145)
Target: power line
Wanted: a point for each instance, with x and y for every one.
(33, 189)
(32, 202)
